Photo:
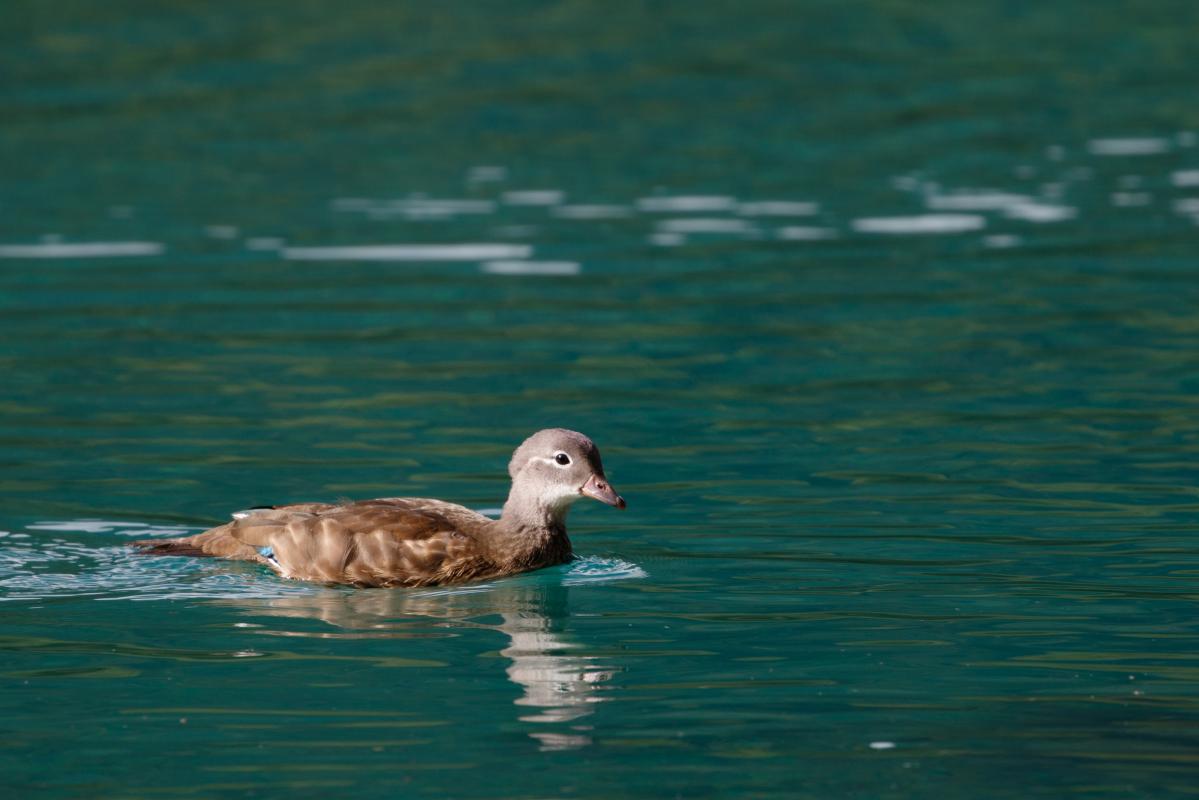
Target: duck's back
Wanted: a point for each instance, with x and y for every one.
(386, 542)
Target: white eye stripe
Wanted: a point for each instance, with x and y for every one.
(553, 461)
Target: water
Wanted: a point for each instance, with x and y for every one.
(882, 315)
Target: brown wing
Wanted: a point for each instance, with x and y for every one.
(387, 542)
(392, 542)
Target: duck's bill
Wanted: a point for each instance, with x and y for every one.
(598, 489)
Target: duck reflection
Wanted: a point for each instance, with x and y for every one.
(559, 682)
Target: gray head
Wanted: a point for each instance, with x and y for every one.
(558, 466)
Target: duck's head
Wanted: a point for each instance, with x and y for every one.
(555, 467)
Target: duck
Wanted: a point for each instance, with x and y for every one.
(414, 541)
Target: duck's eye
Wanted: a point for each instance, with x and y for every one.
(562, 459)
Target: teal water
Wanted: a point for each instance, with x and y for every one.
(883, 315)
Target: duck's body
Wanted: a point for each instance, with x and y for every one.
(404, 541)
(394, 541)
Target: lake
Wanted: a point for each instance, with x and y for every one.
(882, 314)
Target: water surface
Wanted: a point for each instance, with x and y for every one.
(882, 315)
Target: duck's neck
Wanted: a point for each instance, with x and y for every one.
(532, 531)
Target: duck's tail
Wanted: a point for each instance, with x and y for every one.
(216, 543)
(169, 547)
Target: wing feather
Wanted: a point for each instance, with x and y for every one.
(387, 542)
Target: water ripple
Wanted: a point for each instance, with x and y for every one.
(47, 563)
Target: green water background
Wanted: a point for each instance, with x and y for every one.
(882, 313)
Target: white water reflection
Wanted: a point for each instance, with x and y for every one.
(93, 526)
(686, 204)
(486, 174)
(667, 239)
(55, 249)
(1012, 205)
(1040, 212)
(706, 225)
(672, 217)
(221, 231)
(534, 197)
(778, 208)
(805, 233)
(414, 207)
(592, 211)
(1140, 146)
(1000, 241)
(532, 267)
(1185, 177)
(1187, 207)
(410, 252)
(1131, 199)
(920, 224)
(975, 200)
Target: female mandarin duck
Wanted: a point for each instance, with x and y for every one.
(407, 541)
